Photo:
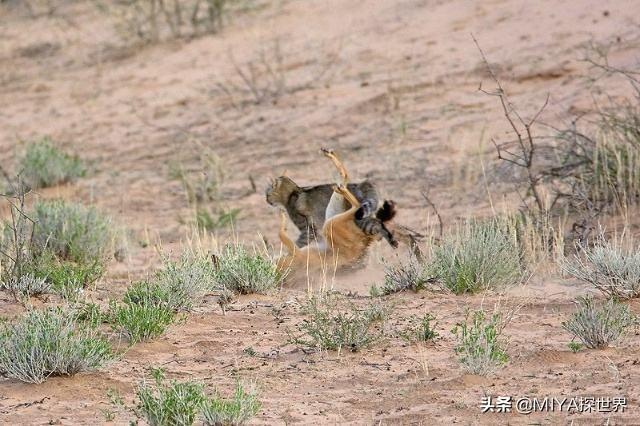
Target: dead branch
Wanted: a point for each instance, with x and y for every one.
(601, 62)
(264, 77)
(435, 210)
(524, 139)
(19, 240)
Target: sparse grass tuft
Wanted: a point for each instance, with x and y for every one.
(575, 346)
(185, 281)
(479, 348)
(65, 278)
(141, 321)
(180, 403)
(49, 342)
(235, 411)
(203, 191)
(243, 272)
(608, 266)
(203, 186)
(211, 220)
(604, 165)
(175, 403)
(421, 329)
(539, 237)
(478, 256)
(402, 277)
(45, 165)
(143, 291)
(598, 326)
(330, 326)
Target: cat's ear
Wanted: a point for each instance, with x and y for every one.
(285, 173)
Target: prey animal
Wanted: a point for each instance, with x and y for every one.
(344, 241)
(306, 206)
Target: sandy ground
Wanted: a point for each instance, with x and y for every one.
(393, 87)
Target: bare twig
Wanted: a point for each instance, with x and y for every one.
(437, 213)
(524, 138)
(264, 77)
(17, 247)
(601, 62)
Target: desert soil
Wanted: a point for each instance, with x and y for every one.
(393, 87)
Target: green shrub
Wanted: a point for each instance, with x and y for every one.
(244, 272)
(181, 403)
(421, 329)
(173, 404)
(331, 326)
(66, 278)
(69, 275)
(185, 281)
(575, 346)
(49, 342)
(72, 231)
(608, 266)
(479, 347)
(235, 411)
(63, 243)
(598, 326)
(45, 165)
(478, 256)
(141, 321)
(145, 292)
(89, 314)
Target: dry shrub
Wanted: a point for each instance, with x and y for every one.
(611, 266)
(480, 348)
(477, 256)
(333, 324)
(151, 21)
(597, 326)
(49, 342)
